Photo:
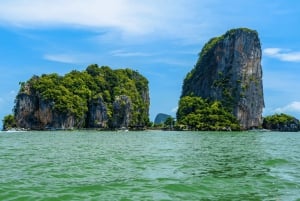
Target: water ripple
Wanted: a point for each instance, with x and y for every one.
(149, 166)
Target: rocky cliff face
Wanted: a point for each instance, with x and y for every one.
(97, 114)
(229, 70)
(32, 112)
(95, 98)
(122, 112)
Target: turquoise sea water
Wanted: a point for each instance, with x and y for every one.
(149, 165)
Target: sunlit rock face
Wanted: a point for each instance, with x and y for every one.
(229, 70)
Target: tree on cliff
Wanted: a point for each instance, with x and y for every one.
(9, 122)
(281, 122)
(86, 98)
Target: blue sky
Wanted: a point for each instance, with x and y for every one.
(159, 38)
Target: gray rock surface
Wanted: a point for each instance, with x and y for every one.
(97, 114)
(31, 112)
(229, 70)
(122, 111)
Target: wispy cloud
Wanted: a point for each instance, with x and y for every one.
(174, 110)
(88, 13)
(293, 107)
(73, 57)
(62, 58)
(282, 54)
(123, 53)
(130, 17)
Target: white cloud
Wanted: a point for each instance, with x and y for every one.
(122, 53)
(282, 54)
(271, 51)
(62, 58)
(88, 13)
(72, 57)
(174, 110)
(176, 19)
(291, 107)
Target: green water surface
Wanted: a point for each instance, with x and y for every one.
(149, 165)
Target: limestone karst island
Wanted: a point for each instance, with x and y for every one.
(224, 91)
(98, 97)
(228, 71)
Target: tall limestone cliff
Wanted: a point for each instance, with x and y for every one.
(229, 70)
(98, 97)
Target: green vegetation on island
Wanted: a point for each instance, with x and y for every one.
(223, 92)
(120, 97)
(196, 113)
(72, 92)
(9, 122)
(228, 71)
(281, 122)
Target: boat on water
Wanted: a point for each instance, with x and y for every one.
(123, 129)
(15, 130)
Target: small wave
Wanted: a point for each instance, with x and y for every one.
(276, 162)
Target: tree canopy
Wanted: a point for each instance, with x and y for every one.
(196, 113)
(281, 122)
(9, 122)
(71, 94)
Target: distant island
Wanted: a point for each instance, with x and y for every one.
(223, 92)
(161, 118)
(281, 122)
